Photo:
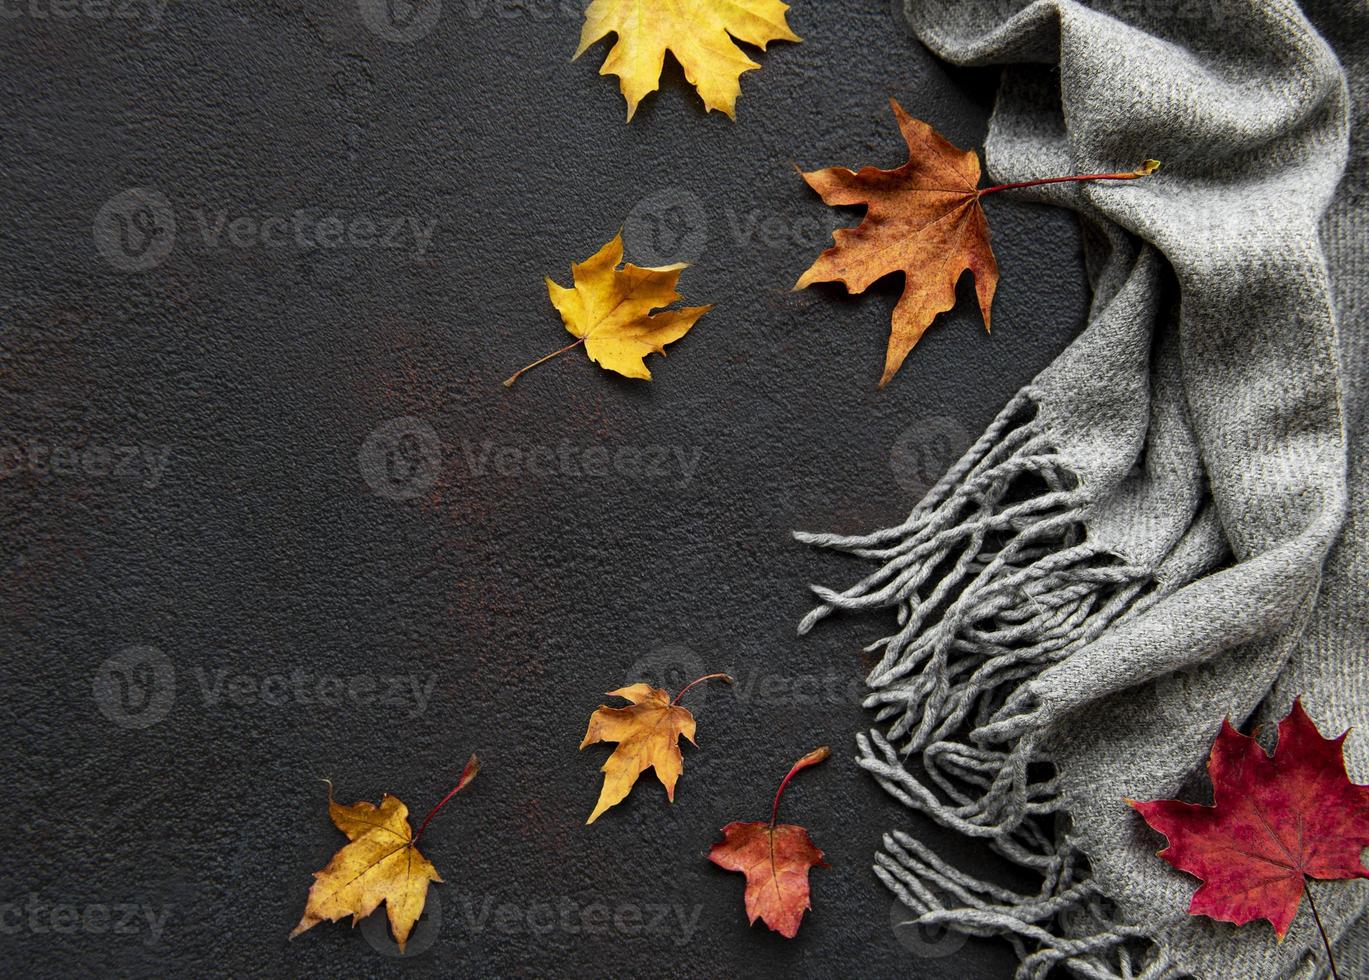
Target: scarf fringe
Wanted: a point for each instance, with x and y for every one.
(993, 580)
(940, 895)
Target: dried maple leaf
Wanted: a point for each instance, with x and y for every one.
(924, 220)
(698, 32)
(381, 863)
(648, 735)
(611, 311)
(775, 859)
(1275, 821)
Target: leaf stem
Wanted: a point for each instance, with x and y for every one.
(541, 360)
(811, 759)
(705, 677)
(1330, 957)
(467, 774)
(1145, 170)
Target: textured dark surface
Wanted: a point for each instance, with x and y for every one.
(260, 562)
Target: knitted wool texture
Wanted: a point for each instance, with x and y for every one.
(1168, 525)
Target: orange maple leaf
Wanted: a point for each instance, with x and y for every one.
(924, 220)
(776, 859)
(648, 736)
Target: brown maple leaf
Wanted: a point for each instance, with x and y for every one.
(924, 220)
(1275, 822)
(776, 858)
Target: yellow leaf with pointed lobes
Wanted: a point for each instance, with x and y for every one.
(381, 863)
(619, 314)
(699, 33)
(647, 734)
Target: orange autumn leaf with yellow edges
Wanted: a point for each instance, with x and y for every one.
(648, 736)
(776, 859)
(925, 220)
(381, 863)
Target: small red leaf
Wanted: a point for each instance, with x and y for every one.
(776, 859)
(1275, 821)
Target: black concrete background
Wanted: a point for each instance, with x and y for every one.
(200, 545)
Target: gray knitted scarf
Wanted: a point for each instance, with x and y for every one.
(1168, 525)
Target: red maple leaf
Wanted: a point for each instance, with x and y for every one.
(1275, 822)
(776, 859)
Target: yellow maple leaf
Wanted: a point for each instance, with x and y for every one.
(381, 863)
(611, 311)
(648, 736)
(699, 33)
